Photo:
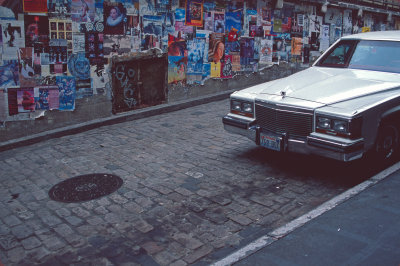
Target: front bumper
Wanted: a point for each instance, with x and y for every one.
(316, 143)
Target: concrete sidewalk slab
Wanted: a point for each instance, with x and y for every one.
(363, 230)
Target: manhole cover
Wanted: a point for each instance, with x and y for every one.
(85, 187)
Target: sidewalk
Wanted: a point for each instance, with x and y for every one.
(362, 230)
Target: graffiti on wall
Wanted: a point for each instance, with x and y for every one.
(125, 83)
(138, 83)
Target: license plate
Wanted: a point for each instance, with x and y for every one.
(270, 142)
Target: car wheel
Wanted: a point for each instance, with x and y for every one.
(387, 143)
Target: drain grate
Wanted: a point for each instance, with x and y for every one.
(85, 187)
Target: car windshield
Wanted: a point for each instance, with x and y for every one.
(376, 55)
(369, 55)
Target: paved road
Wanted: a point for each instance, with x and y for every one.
(192, 193)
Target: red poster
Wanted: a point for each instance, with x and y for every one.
(35, 6)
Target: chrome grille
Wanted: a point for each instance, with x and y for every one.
(280, 120)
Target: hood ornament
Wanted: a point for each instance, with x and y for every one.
(283, 94)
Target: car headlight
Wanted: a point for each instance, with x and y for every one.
(247, 107)
(237, 106)
(244, 108)
(339, 127)
(323, 122)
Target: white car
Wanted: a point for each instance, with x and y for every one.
(347, 104)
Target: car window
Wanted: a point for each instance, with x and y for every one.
(377, 55)
(339, 56)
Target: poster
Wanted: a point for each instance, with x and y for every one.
(59, 8)
(176, 46)
(25, 100)
(233, 20)
(236, 63)
(325, 38)
(226, 67)
(114, 45)
(219, 22)
(58, 56)
(79, 66)
(206, 71)
(9, 74)
(215, 69)
(13, 36)
(347, 22)
(216, 48)
(35, 6)
(66, 88)
(333, 16)
(94, 47)
(83, 11)
(46, 97)
(266, 51)
(78, 42)
(208, 21)
(62, 29)
(181, 27)
(176, 69)
(246, 48)
(27, 75)
(146, 7)
(114, 16)
(36, 30)
(297, 44)
(195, 55)
(194, 13)
(152, 25)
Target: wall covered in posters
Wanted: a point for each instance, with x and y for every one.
(56, 51)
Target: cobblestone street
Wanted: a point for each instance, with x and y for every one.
(191, 194)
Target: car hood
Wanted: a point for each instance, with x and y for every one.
(317, 86)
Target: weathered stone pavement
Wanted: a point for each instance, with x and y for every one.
(192, 193)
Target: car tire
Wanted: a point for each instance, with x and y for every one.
(387, 143)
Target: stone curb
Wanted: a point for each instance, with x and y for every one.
(115, 119)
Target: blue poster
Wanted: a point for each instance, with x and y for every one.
(66, 86)
(233, 20)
